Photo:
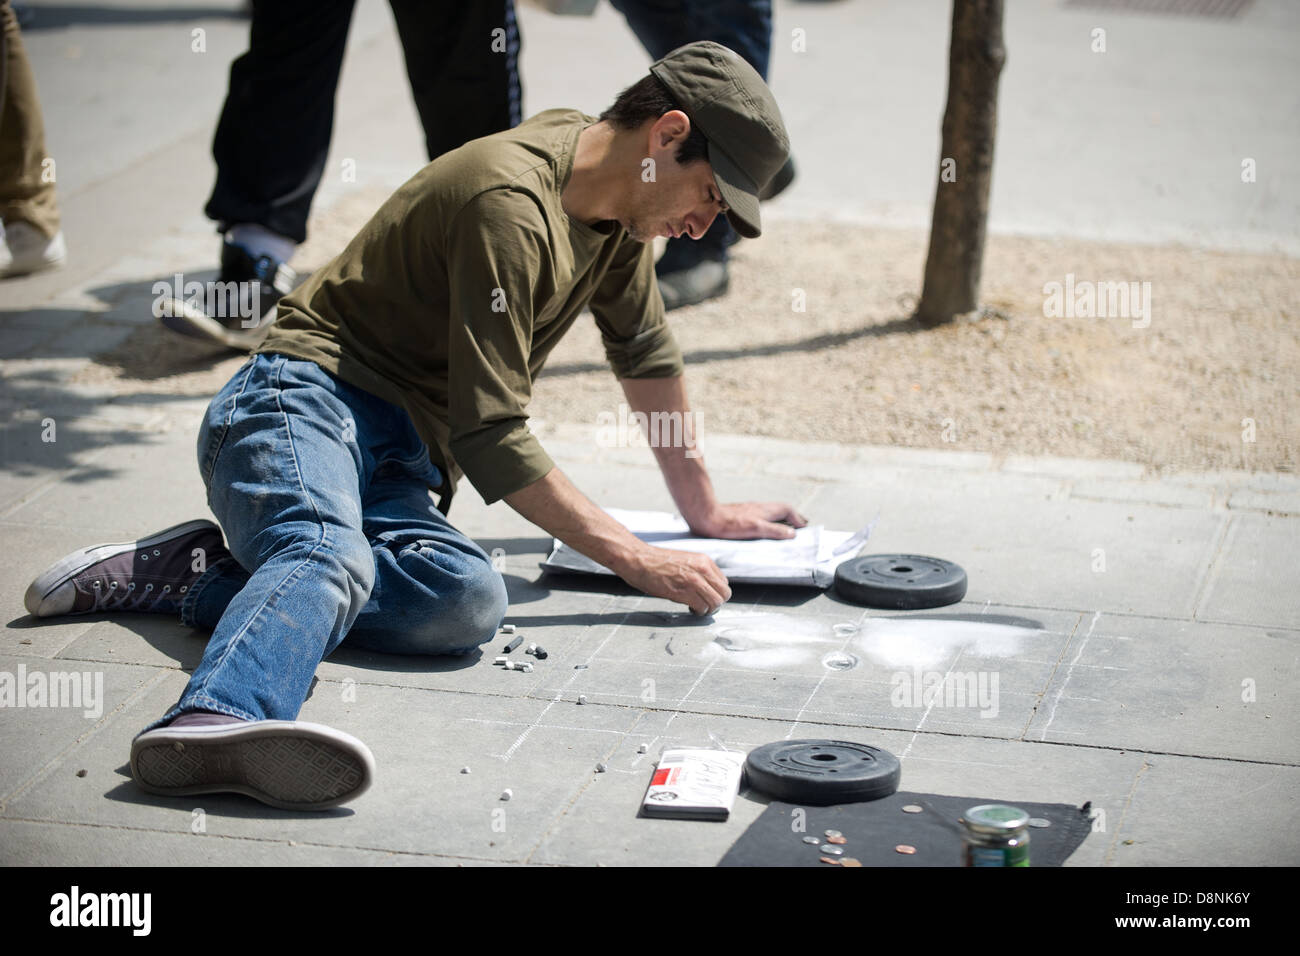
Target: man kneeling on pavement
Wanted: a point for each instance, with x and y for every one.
(406, 362)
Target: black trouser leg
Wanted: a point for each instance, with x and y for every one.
(275, 127)
(463, 62)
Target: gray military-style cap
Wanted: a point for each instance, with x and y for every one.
(731, 105)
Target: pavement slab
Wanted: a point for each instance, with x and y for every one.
(1128, 638)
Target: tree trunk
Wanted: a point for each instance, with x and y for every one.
(961, 200)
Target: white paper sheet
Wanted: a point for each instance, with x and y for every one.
(808, 559)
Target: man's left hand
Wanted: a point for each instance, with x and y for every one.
(749, 519)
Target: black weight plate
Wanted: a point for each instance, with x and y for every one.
(902, 581)
(822, 772)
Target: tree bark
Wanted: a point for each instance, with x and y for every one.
(952, 266)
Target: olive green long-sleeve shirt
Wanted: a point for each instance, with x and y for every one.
(450, 299)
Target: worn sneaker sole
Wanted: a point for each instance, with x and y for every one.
(40, 598)
(287, 764)
(183, 319)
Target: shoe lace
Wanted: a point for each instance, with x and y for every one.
(114, 596)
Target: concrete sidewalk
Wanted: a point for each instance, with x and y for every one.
(1122, 617)
(1142, 631)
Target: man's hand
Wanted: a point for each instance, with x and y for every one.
(552, 503)
(682, 576)
(749, 519)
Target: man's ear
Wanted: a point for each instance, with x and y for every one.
(670, 130)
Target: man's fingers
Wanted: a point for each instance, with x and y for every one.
(705, 601)
(713, 587)
(780, 511)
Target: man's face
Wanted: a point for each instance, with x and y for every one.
(679, 200)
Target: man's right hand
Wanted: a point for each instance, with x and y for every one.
(682, 576)
(554, 504)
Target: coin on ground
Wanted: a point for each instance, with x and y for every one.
(904, 848)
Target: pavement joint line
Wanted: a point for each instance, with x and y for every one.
(505, 758)
(934, 700)
(1056, 666)
(920, 724)
(1145, 503)
(199, 138)
(709, 666)
(245, 839)
(831, 675)
(1210, 573)
(1116, 748)
(540, 726)
(1128, 801)
(826, 673)
(577, 794)
(48, 767)
(781, 719)
(1069, 672)
(1262, 627)
(1166, 618)
(41, 490)
(72, 640)
(86, 626)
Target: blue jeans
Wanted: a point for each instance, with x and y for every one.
(322, 490)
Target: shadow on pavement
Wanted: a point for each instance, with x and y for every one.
(54, 16)
(816, 343)
(230, 805)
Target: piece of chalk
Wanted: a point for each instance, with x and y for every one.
(507, 628)
(513, 644)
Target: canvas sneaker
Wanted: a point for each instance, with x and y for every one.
(25, 249)
(152, 575)
(289, 764)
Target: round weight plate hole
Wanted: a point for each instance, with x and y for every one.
(902, 568)
(824, 757)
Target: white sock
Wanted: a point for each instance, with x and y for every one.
(260, 241)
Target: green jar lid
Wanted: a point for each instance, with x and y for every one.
(996, 818)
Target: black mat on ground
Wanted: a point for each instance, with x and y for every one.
(875, 827)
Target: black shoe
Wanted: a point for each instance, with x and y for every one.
(153, 574)
(241, 276)
(705, 280)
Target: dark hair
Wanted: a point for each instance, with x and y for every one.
(649, 99)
